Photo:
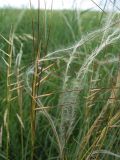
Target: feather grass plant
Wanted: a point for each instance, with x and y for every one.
(62, 104)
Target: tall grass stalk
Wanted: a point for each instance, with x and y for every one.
(20, 97)
(8, 96)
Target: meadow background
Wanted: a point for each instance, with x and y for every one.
(59, 85)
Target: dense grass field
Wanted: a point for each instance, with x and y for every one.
(59, 85)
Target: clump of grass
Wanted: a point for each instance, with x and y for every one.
(63, 104)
